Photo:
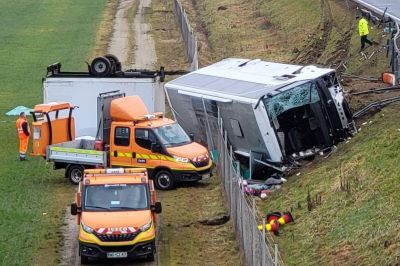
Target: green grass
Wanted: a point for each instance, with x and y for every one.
(184, 241)
(359, 226)
(33, 35)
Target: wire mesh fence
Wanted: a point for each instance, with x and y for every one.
(396, 54)
(256, 245)
(188, 35)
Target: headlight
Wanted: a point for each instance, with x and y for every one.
(146, 226)
(181, 159)
(86, 228)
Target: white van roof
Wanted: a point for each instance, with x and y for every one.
(235, 78)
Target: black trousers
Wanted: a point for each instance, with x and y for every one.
(364, 40)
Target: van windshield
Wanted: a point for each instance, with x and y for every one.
(172, 135)
(115, 197)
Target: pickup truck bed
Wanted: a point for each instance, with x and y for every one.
(79, 151)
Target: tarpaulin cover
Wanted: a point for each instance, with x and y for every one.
(17, 110)
(128, 108)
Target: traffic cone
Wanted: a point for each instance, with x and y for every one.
(273, 227)
(286, 218)
(273, 216)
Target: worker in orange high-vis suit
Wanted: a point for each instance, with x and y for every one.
(363, 30)
(23, 135)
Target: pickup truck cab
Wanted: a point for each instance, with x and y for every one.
(116, 213)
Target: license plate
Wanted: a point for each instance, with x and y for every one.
(205, 176)
(117, 254)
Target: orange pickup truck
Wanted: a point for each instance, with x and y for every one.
(116, 212)
(128, 136)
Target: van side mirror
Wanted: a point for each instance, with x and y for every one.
(191, 136)
(74, 209)
(156, 207)
(155, 148)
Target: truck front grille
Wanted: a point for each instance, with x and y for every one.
(116, 237)
(201, 163)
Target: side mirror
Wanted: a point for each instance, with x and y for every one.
(156, 207)
(74, 209)
(191, 136)
(155, 148)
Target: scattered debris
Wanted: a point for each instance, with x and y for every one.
(262, 188)
(216, 221)
(220, 8)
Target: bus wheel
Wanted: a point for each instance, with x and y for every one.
(164, 180)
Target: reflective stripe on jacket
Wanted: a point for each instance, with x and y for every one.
(363, 27)
(19, 123)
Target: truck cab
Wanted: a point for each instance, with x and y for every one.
(139, 139)
(116, 213)
(161, 146)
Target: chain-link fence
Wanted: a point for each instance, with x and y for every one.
(256, 245)
(188, 35)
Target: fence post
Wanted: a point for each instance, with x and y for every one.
(253, 235)
(263, 248)
(230, 179)
(276, 255)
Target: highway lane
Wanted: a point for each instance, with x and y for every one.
(379, 6)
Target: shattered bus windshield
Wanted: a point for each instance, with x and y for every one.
(304, 94)
(172, 135)
(298, 118)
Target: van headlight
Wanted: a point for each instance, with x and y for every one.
(146, 226)
(181, 159)
(86, 228)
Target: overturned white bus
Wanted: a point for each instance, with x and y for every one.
(273, 113)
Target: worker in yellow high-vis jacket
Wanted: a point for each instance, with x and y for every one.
(363, 30)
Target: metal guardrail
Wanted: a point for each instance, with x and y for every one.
(396, 55)
(187, 34)
(375, 105)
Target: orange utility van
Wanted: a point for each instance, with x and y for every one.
(116, 213)
(128, 136)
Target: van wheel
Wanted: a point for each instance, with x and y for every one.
(164, 180)
(84, 259)
(150, 257)
(75, 173)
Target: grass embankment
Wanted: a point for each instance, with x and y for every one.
(357, 219)
(305, 32)
(183, 240)
(33, 35)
